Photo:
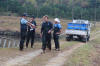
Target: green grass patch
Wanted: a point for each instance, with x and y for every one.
(67, 45)
(95, 29)
(81, 57)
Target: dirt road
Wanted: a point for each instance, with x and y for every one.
(55, 61)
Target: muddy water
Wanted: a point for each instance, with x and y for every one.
(12, 41)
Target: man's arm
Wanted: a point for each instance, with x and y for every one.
(35, 23)
(30, 24)
(41, 30)
(51, 28)
(24, 21)
(60, 29)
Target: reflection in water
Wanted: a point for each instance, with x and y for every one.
(9, 41)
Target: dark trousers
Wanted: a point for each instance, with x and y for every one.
(56, 41)
(30, 36)
(46, 41)
(22, 40)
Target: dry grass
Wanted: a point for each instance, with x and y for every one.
(13, 23)
(9, 23)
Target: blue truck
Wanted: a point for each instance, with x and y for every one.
(78, 29)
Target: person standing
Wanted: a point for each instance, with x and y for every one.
(23, 30)
(31, 33)
(46, 30)
(56, 33)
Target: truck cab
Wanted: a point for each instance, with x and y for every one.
(78, 29)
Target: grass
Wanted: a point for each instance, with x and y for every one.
(68, 44)
(84, 55)
(96, 28)
(80, 57)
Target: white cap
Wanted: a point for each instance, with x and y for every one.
(57, 20)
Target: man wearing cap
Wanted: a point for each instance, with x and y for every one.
(31, 32)
(23, 29)
(56, 33)
(46, 29)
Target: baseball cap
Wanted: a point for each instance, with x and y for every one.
(25, 14)
(57, 20)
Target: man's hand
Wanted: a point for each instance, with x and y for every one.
(49, 31)
(40, 35)
(30, 20)
(28, 23)
(31, 25)
(58, 33)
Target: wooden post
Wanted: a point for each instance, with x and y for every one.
(0, 41)
(14, 43)
(18, 44)
(9, 44)
(5, 41)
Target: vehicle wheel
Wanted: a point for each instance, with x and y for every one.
(69, 38)
(88, 38)
(85, 40)
(79, 38)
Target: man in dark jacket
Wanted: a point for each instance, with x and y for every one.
(31, 33)
(46, 29)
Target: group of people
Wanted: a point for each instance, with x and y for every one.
(28, 32)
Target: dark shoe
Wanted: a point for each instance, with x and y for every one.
(55, 49)
(31, 46)
(43, 52)
(21, 49)
(26, 47)
(50, 49)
